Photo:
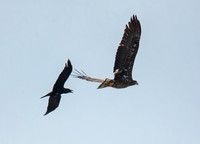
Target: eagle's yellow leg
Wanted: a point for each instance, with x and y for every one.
(107, 83)
(111, 84)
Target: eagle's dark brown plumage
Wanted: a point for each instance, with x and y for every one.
(124, 59)
(58, 88)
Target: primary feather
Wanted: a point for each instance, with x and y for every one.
(128, 47)
(82, 75)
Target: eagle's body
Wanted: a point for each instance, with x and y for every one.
(58, 88)
(124, 59)
(117, 83)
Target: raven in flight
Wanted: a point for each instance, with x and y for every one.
(124, 59)
(58, 88)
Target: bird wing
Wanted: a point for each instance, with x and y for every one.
(128, 47)
(54, 101)
(82, 75)
(63, 76)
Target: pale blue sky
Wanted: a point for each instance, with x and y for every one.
(36, 39)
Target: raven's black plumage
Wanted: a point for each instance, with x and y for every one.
(124, 59)
(58, 88)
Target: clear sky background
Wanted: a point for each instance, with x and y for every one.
(36, 39)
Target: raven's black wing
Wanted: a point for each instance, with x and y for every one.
(54, 101)
(63, 76)
(128, 47)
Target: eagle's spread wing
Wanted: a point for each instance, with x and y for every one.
(83, 75)
(54, 101)
(63, 76)
(128, 47)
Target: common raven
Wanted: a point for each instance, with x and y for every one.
(58, 88)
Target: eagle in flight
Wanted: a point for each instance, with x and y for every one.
(58, 88)
(124, 59)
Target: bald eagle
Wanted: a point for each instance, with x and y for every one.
(58, 88)
(124, 59)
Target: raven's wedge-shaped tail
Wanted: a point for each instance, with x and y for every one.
(50, 93)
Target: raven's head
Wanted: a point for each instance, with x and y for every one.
(66, 90)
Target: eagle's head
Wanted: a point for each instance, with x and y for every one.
(135, 82)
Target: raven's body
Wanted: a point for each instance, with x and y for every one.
(124, 59)
(58, 88)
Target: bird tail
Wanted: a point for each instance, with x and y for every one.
(106, 83)
(47, 95)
